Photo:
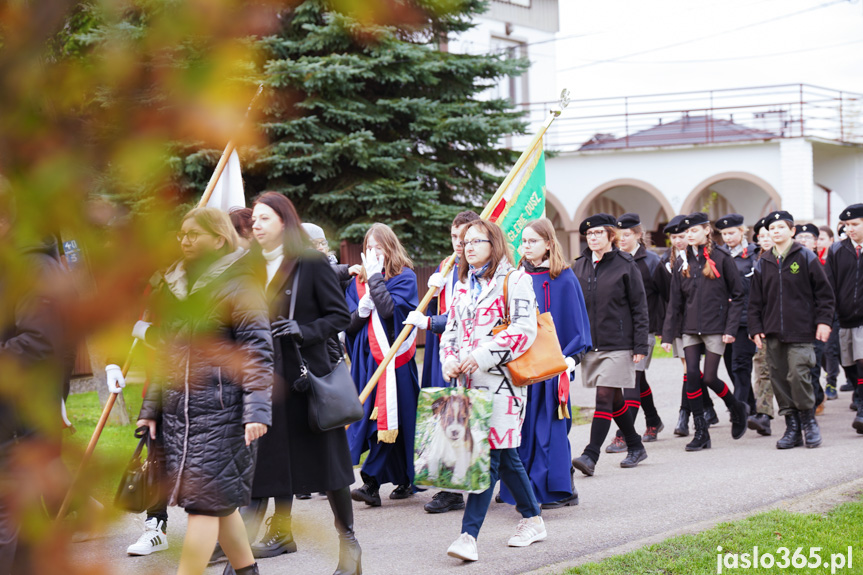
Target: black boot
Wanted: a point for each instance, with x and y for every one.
(250, 570)
(702, 437)
(759, 422)
(277, 540)
(710, 416)
(739, 415)
(811, 431)
(566, 501)
(369, 493)
(792, 436)
(585, 464)
(444, 501)
(858, 420)
(350, 553)
(682, 429)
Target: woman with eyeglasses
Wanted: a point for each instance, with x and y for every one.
(545, 451)
(705, 306)
(469, 351)
(380, 299)
(211, 396)
(293, 459)
(617, 310)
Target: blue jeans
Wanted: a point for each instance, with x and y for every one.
(505, 465)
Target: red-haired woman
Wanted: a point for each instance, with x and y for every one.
(705, 306)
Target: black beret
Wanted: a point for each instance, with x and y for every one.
(627, 221)
(695, 219)
(851, 212)
(729, 221)
(777, 216)
(806, 229)
(671, 227)
(596, 221)
(758, 225)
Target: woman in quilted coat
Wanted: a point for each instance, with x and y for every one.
(215, 375)
(470, 351)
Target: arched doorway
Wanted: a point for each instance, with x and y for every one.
(563, 226)
(733, 192)
(628, 195)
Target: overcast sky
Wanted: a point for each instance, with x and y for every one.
(678, 45)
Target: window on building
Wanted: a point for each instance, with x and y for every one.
(514, 89)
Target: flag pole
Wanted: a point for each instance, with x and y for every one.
(109, 405)
(229, 149)
(486, 213)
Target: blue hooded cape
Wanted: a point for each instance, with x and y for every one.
(386, 462)
(545, 450)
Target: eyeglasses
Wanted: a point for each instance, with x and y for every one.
(594, 233)
(320, 243)
(475, 243)
(192, 236)
(529, 243)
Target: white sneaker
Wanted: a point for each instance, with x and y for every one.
(153, 539)
(528, 531)
(463, 548)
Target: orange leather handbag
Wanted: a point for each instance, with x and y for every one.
(542, 360)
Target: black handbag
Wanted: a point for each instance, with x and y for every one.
(332, 398)
(141, 484)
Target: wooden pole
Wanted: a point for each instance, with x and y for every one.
(485, 215)
(229, 149)
(67, 501)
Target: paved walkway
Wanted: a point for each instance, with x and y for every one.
(672, 491)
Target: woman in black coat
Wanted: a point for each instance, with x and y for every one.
(705, 306)
(216, 373)
(617, 309)
(293, 459)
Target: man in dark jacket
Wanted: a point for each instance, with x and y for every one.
(791, 304)
(845, 265)
(33, 357)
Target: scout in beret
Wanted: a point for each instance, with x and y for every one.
(705, 306)
(845, 265)
(791, 305)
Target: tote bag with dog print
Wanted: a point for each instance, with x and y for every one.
(451, 449)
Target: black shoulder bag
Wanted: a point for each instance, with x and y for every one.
(333, 399)
(141, 485)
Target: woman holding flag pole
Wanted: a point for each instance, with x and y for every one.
(380, 299)
(545, 450)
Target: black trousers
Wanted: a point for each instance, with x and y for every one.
(815, 372)
(738, 362)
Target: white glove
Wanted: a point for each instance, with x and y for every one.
(570, 363)
(140, 330)
(437, 280)
(365, 306)
(114, 375)
(372, 263)
(418, 319)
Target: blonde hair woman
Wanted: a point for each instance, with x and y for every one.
(216, 375)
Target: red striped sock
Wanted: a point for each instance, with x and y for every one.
(620, 411)
(602, 415)
(724, 391)
(646, 393)
(693, 394)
